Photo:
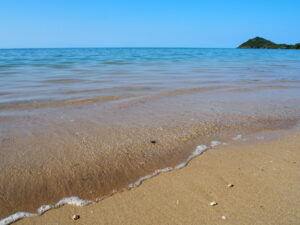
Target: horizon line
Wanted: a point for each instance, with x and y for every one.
(12, 48)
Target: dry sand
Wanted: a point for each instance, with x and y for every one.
(266, 178)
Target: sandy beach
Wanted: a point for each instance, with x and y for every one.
(265, 188)
(149, 113)
(92, 121)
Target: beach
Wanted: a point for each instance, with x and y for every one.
(149, 112)
(252, 183)
(79, 126)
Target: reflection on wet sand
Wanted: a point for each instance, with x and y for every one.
(87, 122)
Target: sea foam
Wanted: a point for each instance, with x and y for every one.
(65, 201)
(80, 202)
(215, 143)
(15, 217)
(73, 201)
(45, 208)
(237, 137)
(199, 149)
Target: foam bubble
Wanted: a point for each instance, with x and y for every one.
(215, 143)
(15, 217)
(45, 208)
(73, 201)
(181, 165)
(238, 137)
(198, 151)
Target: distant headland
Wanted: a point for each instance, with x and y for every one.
(259, 42)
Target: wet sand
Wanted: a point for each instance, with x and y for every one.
(266, 183)
(89, 122)
(89, 150)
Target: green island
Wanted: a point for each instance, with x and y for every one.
(259, 42)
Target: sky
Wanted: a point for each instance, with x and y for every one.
(146, 23)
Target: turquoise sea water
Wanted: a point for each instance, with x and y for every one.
(90, 122)
(45, 75)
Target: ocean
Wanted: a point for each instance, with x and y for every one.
(88, 122)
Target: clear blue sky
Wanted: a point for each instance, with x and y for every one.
(138, 23)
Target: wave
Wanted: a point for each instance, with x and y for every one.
(21, 215)
(248, 89)
(174, 93)
(76, 201)
(58, 103)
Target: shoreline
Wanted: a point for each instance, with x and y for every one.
(99, 122)
(213, 153)
(76, 201)
(80, 165)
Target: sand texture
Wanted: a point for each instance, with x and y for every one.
(266, 190)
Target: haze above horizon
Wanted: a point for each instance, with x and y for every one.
(191, 23)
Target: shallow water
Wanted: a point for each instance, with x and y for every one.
(81, 122)
(38, 77)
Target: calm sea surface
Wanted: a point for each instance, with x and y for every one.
(90, 122)
(33, 76)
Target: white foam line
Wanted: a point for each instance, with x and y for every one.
(15, 217)
(72, 201)
(80, 202)
(198, 151)
(21, 215)
(215, 143)
(45, 208)
(238, 137)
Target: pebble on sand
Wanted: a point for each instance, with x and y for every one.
(75, 217)
(223, 217)
(230, 185)
(213, 203)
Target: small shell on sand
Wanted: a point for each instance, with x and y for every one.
(223, 217)
(230, 185)
(213, 203)
(75, 217)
